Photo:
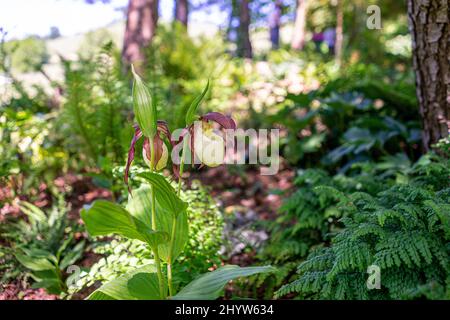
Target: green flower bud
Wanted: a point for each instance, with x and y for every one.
(143, 106)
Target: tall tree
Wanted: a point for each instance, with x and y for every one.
(142, 19)
(298, 34)
(274, 23)
(430, 28)
(244, 46)
(182, 11)
(339, 31)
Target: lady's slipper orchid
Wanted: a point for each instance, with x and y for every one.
(205, 142)
(161, 153)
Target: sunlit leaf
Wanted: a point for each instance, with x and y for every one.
(105, 218)
(165, 194)
(139, 205)
(140, 284)
(209, 286)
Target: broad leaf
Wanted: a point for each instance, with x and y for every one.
(140, 284)
(139, 206)
(190, 115)
(105, 218)
(165, 194)
(209, 286)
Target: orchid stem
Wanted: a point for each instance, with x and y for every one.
(174, 222)
(162, 292)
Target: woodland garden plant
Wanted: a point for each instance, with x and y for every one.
(156, 215)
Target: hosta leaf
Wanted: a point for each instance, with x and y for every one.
(139, 284)
(139, 205)
(165, 194)
(105, 218)
(209, 286)
(190, 115)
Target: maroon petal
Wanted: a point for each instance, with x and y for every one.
(136, 137)
(164, 128)
(225, 121)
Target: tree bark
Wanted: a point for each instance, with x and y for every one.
(298, 34)
(142, 18)
(430, 30)
(274, 24)
(182, 11)
(339, 31)
(244, 45)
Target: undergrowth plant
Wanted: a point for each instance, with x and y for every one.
(200, 254)
(42, 247)
(157, 215)
(403, 230)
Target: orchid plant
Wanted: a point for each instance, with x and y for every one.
(155, 213)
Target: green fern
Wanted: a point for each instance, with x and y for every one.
(403, 230)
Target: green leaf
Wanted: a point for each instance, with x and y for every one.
(35, 214)
(105, 218)
(209, 286)
(139, 205)
(140, 284)
(52, 286)
(143, 106)
(72, 256)
(165, 194)
(34, 263)
(190, 115)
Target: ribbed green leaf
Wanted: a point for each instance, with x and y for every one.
(165, 194)
(209, 286)
(190, 115)
(139, 205)
(105, 218)
(140, 284)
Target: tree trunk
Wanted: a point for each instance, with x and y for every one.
(244, 45)
(274, 24)
(298, 34)
(182, 11)
(142, 18)
(430, 29)
(339, 31)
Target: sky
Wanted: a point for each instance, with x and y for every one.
(22, 18)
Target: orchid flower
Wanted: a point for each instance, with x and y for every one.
(161, 152)
(205, 142)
